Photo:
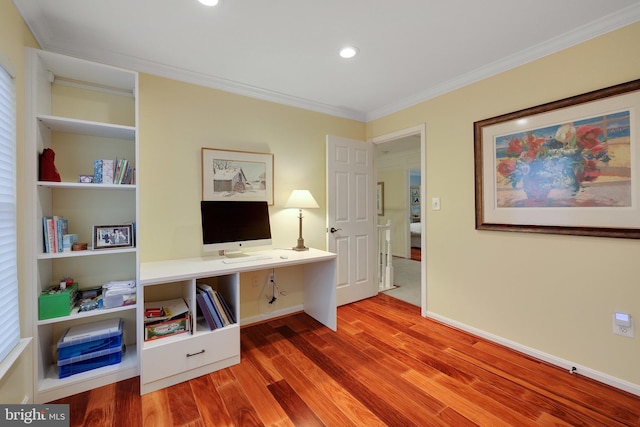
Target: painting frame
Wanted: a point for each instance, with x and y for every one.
(122, 236)
(242, 176)
(571, 212)
(380, 199)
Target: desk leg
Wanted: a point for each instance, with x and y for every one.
(320, 292)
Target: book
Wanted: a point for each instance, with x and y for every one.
(46, 238)
(54, 240)
(61, 229)
(227, 309)
(97, 171)
(216, 300)
(121, 168)
(205, 311)
(107, 171)
(211, 308)
(219, 304)
(171, 309)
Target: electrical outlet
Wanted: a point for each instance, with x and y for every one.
(622, 330)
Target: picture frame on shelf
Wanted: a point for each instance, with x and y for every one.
(565, 167)
(237, 175)
(113, 236)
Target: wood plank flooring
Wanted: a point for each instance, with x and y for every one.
(386, 366)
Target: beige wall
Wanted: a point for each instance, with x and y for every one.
(555, 294)
(178, 119)
(14, 36)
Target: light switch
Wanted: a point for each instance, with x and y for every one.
(435, 203)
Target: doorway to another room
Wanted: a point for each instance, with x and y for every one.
(400, 175)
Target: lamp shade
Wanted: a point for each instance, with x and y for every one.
(301, 199)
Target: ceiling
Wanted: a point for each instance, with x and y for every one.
(286, 51)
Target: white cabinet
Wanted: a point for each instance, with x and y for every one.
(85, 112)
(177, 358)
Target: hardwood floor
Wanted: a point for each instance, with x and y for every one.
(416, 254)
(386, 365)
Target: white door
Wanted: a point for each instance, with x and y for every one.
(351, 217)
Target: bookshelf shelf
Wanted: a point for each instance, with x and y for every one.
(83, 111)
(88, 252)
(87, 127)
(85, 186)
(50, 384)
(76, 315)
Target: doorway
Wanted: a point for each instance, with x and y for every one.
(400, 165)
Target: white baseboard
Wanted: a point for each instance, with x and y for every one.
(271, 315)
(562, 363)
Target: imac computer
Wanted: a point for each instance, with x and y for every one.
(230, 226)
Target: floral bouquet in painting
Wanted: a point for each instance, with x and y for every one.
(565, 161)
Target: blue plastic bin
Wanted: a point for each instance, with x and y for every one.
(86, 362)
(89, 345)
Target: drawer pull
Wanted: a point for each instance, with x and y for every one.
(195, 354)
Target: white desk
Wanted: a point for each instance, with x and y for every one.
(319, 275)
(204, 350)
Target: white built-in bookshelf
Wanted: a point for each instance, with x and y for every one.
(84, 111)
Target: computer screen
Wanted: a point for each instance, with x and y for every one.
(234, 225)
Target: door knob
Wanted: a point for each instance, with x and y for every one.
(333, 230)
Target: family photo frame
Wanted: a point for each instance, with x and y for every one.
(113, 236)
(565, 167)
(237, 175)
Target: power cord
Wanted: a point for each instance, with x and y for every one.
(268, 304)
(275, 291)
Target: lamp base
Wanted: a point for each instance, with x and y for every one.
(301, 246)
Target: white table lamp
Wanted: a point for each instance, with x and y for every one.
(301, 199)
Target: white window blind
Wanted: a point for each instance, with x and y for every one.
(10, 324)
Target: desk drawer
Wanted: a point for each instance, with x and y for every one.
(164, 360)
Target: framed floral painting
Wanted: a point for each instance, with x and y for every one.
(566, 167)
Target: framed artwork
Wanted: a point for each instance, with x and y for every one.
(566, 167)
(414, 202)
(112, 236)
(237, 175)
(380, 198)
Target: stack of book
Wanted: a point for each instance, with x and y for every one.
(166, 318)
(56, 234)
(214, 308)
(113, 172)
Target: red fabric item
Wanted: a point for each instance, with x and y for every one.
(48, 171)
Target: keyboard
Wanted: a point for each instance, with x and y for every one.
(245, 259)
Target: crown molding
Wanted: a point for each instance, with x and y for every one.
(586, 32)
(201, 79)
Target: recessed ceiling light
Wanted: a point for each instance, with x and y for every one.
(210, 2)
(348, 52)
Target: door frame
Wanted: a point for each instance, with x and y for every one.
(422, 131)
